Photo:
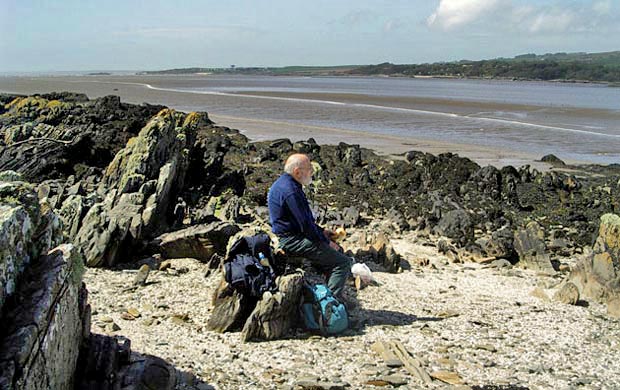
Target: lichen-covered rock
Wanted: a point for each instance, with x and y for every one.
(598, 276)
(530, 245)
(19, 220)
(44, 327)
(142, 184)
(59, 134)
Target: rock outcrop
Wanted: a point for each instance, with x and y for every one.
(55, 135)
(43, 305)
(598, 276)
(141, 185)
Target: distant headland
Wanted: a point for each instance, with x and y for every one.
(575, 67)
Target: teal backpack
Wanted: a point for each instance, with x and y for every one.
(322, 312)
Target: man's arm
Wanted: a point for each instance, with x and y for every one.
(298, 206)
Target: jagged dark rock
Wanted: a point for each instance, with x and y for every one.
(530, 245)
(552, 159)
(54, 135)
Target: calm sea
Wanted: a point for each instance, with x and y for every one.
(574, 121)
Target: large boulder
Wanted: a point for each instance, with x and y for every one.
(598, 276)
(17, 224)
(199, 242)
(530, 245)
(142, 184)
(457, 225)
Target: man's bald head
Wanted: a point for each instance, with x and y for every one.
(299, 166)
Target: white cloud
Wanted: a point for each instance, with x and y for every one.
(451, 14)
(543, 17)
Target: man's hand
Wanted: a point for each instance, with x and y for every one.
(335, 246)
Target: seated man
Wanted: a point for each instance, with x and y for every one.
(292, 221)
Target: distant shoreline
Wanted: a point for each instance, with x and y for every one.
(611, 84)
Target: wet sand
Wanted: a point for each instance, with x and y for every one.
(131, 89)
(260, 130)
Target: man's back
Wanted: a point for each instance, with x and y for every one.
(289, 212)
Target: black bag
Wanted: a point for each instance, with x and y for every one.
(243, 269)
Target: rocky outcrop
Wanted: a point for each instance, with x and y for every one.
(598, 276)
(43, 305)
(142, 184)
(45, 338)
(59, 134)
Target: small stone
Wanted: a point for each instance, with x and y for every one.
(106, 319)
(447, 313)
(127, 317)
(564, 268)
(568, 294)
(378, 382)
(142, 275)
(487, 347)
(394, 380)
(148, 322)
(134, 312)
(449, 377)
(180, 319)
(112, 327)
(393, 363)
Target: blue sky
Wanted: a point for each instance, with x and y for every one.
(136, 35)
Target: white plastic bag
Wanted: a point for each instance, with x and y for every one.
(362, 270)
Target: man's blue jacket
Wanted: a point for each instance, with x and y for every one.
(289, 212)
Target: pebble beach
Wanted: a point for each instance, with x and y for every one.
(483, 324)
